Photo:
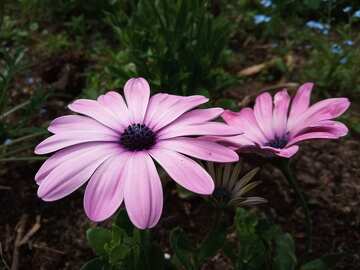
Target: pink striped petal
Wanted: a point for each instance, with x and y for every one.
(115, 103)
(70, 123)
(69, 154)
(70, 175)
(325, 130)
(210, 128)
(283, 152)
(263, 111)
(199, 148)
(98, 112)
(137, 94)
(105, 190)
(281, 106)
(163, 110)
(238, 140)
(326, 109)
(301, 101)
(62, 140)
(198, 116)
(143, 191)
(245, 122)
(184, 171)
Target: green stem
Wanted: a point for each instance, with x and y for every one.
(284, 166)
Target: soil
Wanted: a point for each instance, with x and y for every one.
(328, 172)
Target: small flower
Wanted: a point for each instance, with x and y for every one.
(336, 49)
(258, 19)
(114, 144)
(7, 141)
(323, 28)
(357, 14)
(343, 60)
(230, 188)
(349, 42)
(274, 127)
(266, 3)
(347, 9)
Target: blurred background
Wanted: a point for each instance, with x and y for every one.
(52, 52)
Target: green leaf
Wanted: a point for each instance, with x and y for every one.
(324, 263)
(122, 220)
(98, 238)
(214, 241)
(285, 258)
(182, 248)
(95, 264)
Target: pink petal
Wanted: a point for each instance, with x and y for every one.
(71, 174)
(70, 123)
(283, 152)
(164, 109)
(143, 191)
(137, 93)
(238, 140)
(323, 110)
(210, 128)
(69, 154)
(115, 103)
(281, 106)
(325, 130)
(105, 190)
(62, 140)
(245, 122)
(201, 149)
(98, 112)
(301, 101)
(184, 171)
(263, 111)
(198, 116)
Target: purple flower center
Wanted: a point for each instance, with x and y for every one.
(278, 142)
(137, 137)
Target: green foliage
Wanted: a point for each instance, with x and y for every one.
(262, 245)
(123, 247)
(179, 46)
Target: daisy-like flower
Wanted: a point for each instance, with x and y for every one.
(113, 143)
(230, 187)
(275, 127)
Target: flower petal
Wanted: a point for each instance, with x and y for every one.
(209, 128)
(325, 130)
(326, 109)
(69, 154)
(62, 140)
(137, 94)
(70, 123)
(238, 140)
(184, 171)
(281, 106)
(115, 102)
(263, 111)
(164, 109)
(143, 191)
(71, 174)
(98, 112)
(301, 101)
(283, 152)
(198, 116)
(245, 122)
(199, 148)
(105, 190)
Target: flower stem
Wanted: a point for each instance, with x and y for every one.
(284, 166)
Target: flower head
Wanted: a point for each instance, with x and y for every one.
(114, 144)
(275, 127)
(260, 18)
(322, 27)
(230, 187)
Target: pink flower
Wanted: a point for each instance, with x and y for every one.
(114, 143)
(274, 127)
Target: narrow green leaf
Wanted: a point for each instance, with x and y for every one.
(97, 238)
